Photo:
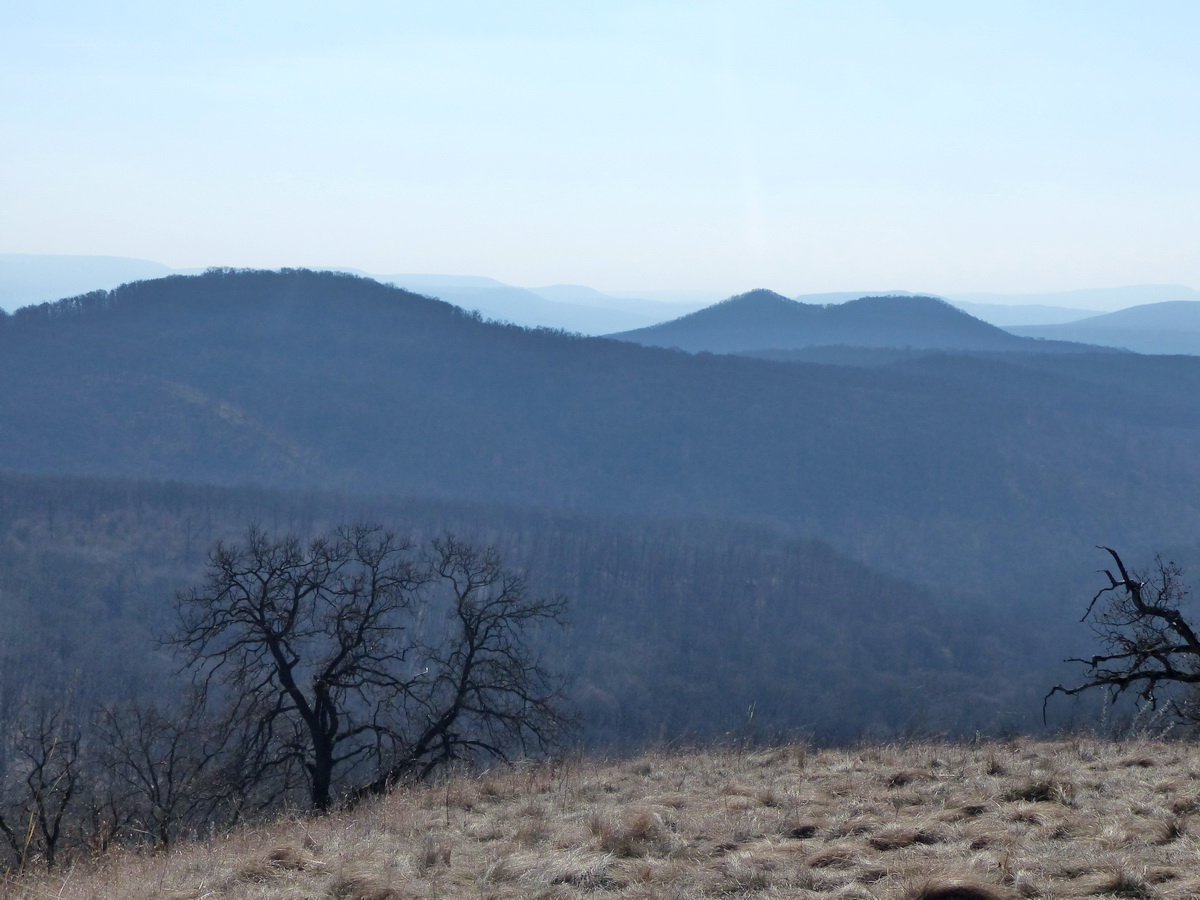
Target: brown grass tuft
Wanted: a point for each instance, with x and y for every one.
(957, 890)
(1140, 761)
(963, 811)
(1042, 791)
(431, 853)
(638, 832)
(276, 863)
(992, 764)
(801, 830)
(1184, 889)
(291, 858)
(363, 886)
(1119, 881)
(1184, 804)
(897, 837)
(837, 856)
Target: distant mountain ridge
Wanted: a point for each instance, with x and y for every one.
(30, 279)
(1108, 299)
(1170, 327)
(764, 320)
(27, 279)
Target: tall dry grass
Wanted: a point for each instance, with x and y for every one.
(1081, 818)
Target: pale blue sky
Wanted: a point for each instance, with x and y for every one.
(803, 146)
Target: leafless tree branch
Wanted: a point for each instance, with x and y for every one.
(1148, 642)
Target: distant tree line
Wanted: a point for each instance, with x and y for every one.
(678, 625)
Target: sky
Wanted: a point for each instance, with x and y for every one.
(814, 146)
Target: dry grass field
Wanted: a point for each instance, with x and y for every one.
(1079, 818)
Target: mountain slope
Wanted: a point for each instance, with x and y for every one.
(763, 320)
(1172, 326)
(946, 467)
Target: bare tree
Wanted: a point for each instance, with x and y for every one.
(482, 690)
(167, 771)
(1149, 644)
(42, 784)
(331, 661)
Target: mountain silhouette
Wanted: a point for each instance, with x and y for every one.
(764, 320)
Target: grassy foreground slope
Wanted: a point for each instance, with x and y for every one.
(1078, 818)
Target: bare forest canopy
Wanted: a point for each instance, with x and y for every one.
(886, 544)
(684, 627)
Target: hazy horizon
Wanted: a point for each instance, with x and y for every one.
(28, 279)
(826, 146)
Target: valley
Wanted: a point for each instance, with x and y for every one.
(879, 538)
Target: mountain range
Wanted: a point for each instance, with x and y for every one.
(27, 279)
(1085, 299)
(764, 524)
(764, 320)
(307, 379)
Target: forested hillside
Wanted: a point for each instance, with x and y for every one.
(678, 627)
(948, 468)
